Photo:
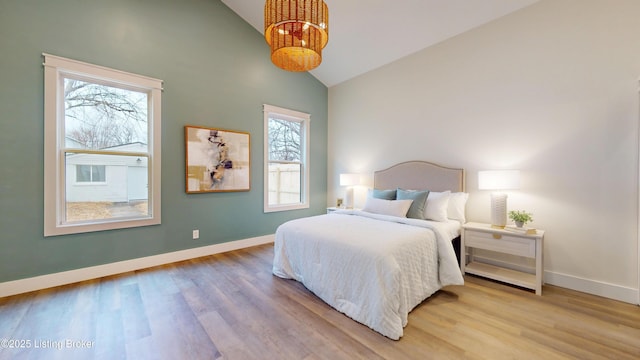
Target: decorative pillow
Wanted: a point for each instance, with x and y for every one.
(384, 194)
(397, 208)
(416, 211)
(457, 206)
(437, 206)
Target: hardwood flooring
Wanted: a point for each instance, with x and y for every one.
(230, 306)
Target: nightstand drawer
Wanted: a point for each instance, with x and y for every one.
(501, 243)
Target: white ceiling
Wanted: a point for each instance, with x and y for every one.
(367, 34)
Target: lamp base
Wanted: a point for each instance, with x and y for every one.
(498, 210)
(348, 198)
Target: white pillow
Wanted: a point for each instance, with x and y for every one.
(437, 206)
(457, 206)
(397, 208)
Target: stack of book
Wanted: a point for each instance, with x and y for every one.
(520, 230)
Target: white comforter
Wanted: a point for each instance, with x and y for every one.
(373, 268)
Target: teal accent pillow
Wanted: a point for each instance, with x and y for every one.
(419, 197)
(384, 194)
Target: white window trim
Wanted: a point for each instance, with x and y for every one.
(305, 119)
(54, 183)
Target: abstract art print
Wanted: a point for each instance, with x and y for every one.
(216, 160)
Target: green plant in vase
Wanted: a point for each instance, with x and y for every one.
(520, 217)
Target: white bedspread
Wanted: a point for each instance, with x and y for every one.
(373, 268)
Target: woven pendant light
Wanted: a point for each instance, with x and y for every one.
(296, 31)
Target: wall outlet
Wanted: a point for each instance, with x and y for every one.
(196, 234)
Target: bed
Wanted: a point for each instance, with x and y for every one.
(376, 265)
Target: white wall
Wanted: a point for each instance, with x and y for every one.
(551, 90)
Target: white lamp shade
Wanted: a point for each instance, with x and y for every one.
(499, 180)
(349, 179)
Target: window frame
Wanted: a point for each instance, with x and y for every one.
(56, 69)
(305, 120)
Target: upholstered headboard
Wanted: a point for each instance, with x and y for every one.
(420, 175)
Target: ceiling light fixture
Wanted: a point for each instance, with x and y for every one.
(296, 31)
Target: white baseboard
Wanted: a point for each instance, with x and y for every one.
(68, 277)
(611, 291)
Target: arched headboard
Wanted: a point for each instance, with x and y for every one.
(418, 175)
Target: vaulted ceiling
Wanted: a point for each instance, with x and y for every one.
(367, 34)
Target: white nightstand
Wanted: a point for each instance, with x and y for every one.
(333, 208)
(483, 236)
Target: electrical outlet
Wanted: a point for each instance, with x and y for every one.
(196, 234)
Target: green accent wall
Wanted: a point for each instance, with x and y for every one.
(216, 73)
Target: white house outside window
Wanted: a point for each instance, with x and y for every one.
(286, 184)
(102, 148)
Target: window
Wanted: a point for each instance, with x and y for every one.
(286, 173)
(101, 148)
(90, 173)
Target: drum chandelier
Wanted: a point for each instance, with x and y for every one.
(296, 31)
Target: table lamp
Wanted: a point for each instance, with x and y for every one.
(349, 180)
(498, 180)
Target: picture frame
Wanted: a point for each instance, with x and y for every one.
(216, 160)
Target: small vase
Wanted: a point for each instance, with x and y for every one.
(519, 224)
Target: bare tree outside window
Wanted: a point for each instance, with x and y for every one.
(285, 161)
(99, 116)
(284, 140)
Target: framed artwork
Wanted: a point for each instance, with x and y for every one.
(216, 160)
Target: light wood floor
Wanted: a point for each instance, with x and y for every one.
(230, 306)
